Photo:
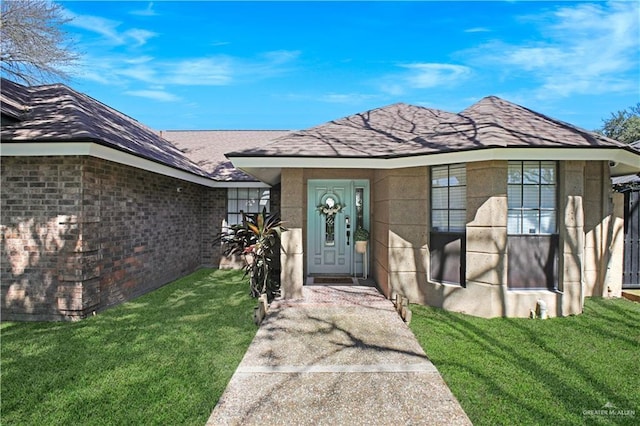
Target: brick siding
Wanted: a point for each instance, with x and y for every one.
(81, 234)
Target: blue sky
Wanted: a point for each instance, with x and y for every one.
(293, 65)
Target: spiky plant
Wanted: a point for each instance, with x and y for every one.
(257, 240)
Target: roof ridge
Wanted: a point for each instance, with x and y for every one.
(540, 115)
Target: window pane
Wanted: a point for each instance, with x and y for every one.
(253, 206)
(458, 197)
(440, 220)
(514, 172)
(233, 206)
(530, 222)
(514, 196)
(530, 196)
(514, 222)
(547, 172)
(548, 197)
(234, 219)
(531, 172)
(439, 176)
(232, 193)
(458, 175)
(547, 222)
(254, 193)
(439, 198)
(243, 193)
(457, 220)
(264, 199)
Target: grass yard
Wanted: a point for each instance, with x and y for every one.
(577, 370)
(163, 358)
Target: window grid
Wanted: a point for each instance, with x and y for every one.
(247, 200)
(450, 217)
(522, 210)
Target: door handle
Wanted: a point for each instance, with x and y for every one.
(348, 236)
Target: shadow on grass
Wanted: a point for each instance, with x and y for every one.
(520, 371)
(163, 358)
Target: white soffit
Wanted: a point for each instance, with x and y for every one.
(623, 162)
(35, 149)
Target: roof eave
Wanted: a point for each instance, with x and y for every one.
(93, 149)
(267, 168)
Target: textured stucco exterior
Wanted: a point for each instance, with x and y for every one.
(400, 225)
(81, 234)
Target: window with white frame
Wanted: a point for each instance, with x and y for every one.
(449, 198)
(247, 200)
(532, 197)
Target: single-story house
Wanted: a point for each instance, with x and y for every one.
(485, 212)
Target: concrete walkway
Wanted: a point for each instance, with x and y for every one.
(340, 356)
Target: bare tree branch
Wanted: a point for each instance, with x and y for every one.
(34, 48)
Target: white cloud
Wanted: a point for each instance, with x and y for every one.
(424, 76)
(346, 98)
(583, 49)
(109, 30)
(477, 30)
(280, 56)
(217, 71)
(156, 95)
(140, 37)
(95, 24)
(148, 11)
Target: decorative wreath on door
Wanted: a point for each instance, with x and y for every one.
(330, 207)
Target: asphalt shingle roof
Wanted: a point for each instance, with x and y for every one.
(401, 130)
(57, 113)
(207, 147)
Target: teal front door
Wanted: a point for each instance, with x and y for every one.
(335, 209)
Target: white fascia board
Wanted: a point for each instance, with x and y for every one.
(35, 149)
(240, 184)
(587, 154)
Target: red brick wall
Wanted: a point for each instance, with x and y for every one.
(81, 234)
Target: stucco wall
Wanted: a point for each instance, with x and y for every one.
(400, 206)
(401, 255)
(603, 232)
(81, 234)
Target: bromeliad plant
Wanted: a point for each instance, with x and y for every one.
(257, 240)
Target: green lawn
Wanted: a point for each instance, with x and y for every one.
(164, 358)
(562, 371)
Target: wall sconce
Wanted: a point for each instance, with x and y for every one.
(179, 189)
